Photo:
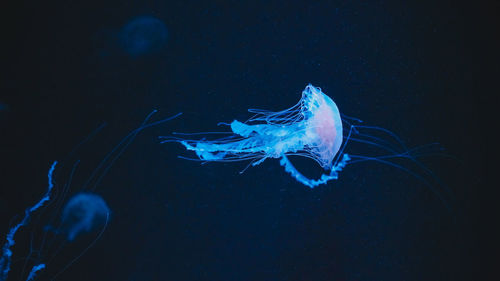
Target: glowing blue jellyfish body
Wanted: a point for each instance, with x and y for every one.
(84, 212)
(312, 128)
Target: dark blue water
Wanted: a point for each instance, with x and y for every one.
(414, 69)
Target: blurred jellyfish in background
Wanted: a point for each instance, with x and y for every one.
(4, 108)
(84, 213)
(143, 35)
(63, 216)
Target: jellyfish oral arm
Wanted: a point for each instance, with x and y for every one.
(289, 168)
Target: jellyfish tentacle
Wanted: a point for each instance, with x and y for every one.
(34, 271)
(289, 168)
(5, 258)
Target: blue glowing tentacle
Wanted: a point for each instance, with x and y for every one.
(118, 150)
(34, 270)
(289, 168)
(6, 252)
(86, 249)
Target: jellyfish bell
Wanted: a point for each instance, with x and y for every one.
(143, 35)
(84, 213)
(323, 125)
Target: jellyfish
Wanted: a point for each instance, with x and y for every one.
(313, 128)
(84, 212)
(143, 35)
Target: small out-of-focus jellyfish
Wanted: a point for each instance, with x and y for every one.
(84, 212)
(312, 128)
(143, 35)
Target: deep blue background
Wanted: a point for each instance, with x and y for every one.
(416, 69)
